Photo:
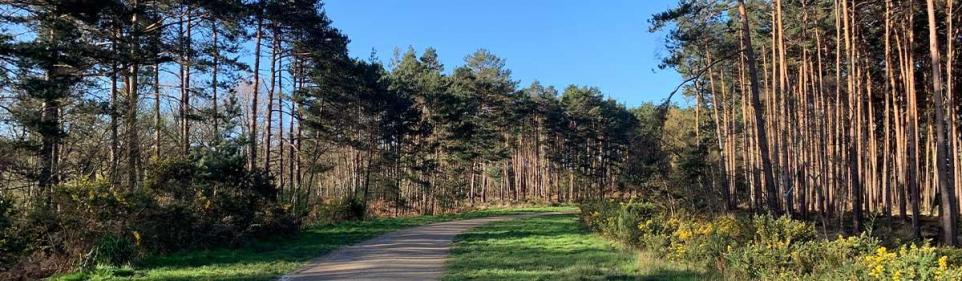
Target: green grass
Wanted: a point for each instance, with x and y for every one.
(552, 247)
(268, 259)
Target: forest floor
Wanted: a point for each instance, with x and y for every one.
(554, 247)
(269, 259)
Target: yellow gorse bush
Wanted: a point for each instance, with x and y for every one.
(684, 234)
(728, 225)
(764, 247)
(877, 262)
(943, 267)
(909, 263)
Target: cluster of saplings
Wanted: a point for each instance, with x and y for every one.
(130, 128)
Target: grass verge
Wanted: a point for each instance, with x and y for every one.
(268, 259)
(551, 247)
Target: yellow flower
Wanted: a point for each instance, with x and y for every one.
(943, 267)
(881, 251)
(705, 229)
(877, 271)
(678, 251)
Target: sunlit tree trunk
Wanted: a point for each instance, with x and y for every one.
(186, 27)
(268, 118)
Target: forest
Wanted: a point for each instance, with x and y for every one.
(842, 110)
(134, 127)
(823, 119)
(140, 127)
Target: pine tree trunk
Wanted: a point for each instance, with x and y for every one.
(215, 54)
(268, 122)
(114, 131)
(761, 134)
(949, 211)
(185, 84)
(252, 126)
(157, 117)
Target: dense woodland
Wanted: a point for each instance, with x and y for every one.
(840, 110)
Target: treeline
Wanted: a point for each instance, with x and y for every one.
(137, 127)
(418, 139)
(840, 109)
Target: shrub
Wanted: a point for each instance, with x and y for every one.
(764, 247)
(591, 214)
(630, 216)
(110, 250)
(11, 243)
(92, 218)
(48, 239)
(339, 210)
(809, 260)
(783, 230)
(910, 262)
(628, 222)
(704, 241)
(211, 199)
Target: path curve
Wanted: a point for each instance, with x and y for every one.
(415, 254)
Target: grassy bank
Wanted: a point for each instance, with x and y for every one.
(265, 260)
(552, 247)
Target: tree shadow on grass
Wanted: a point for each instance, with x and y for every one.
(268, 258)
(306, 245)
(545, 248)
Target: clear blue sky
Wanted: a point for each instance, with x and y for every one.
(605, 44)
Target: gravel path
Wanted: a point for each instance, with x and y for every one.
(415, 254)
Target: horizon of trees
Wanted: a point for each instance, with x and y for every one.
(107, 91)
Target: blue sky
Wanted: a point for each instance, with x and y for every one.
(605, 44)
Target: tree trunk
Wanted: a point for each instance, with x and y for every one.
(760, 134)
(215, 54)
(946, 186)
(252, 130)
(268, 122)
(185, 85)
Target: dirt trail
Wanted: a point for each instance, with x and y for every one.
(415, 254)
